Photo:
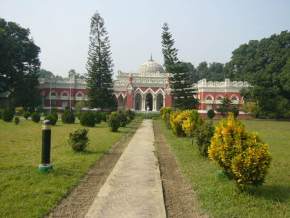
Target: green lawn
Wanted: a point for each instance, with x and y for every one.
(24, 192)
(218, 196)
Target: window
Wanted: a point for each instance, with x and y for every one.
(209, 98)
(64, 94)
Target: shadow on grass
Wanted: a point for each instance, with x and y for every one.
(280, 193)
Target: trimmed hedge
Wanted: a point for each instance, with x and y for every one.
(114, 121)
(78, 139)
(7, 115)
(88, 119)
(53, 117)
(68, 117)
(35, 117)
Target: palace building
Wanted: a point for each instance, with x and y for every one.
(146, 89)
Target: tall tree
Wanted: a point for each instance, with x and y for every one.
(19, 64)
(99, 66)
(181, 86)
(168, 49)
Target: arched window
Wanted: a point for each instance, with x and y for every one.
(234, 98)
(80, 95)
(138, 101)
(219, 98)
(159, 102)
(53, 94)
(209, 98)
(64, 94)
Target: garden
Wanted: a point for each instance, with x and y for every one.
(77, 143)
(249, 180)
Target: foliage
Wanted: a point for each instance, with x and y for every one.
(99, 66)
(68, 116)
(114, 121)
(78, 139)
(164, 111)
(176, 121)
(225, 107)
(168, 50)
(191, 123)
(122, 118)
(52, 117)
(16, 120)
(235, 111)
(35, 117)
(130, 114)
(210, 114)
(78, 107)
(26, 114)
(210, 71)
(18, 63)
(182, 90)
(203, 137)
(8, 114)
(243, 156)
(265, 64)
(87, 119)
(98, 116)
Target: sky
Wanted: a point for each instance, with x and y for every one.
(204, 30)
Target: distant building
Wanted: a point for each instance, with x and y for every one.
(147, 89)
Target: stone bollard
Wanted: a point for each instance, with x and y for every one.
(45, 165)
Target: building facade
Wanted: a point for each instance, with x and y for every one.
(145, 90)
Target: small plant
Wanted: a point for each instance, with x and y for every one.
(53, 117)
(103, 116)
(26, 114)
(130, 115)
(8, 114)
(164, 111)
(235, 111)
(210, 114)
(87, 119)
(243, 156)
(203, 137)
(98, 117)
(16, 120)
(122, 118)
(35, 117)
(68, 117)
(191, 123)
(114, 121)
(78, 139)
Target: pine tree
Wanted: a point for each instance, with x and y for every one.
(168, 50)
(181, 86)
(181, 73)
(99, 66)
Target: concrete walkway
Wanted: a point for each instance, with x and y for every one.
(133, 189)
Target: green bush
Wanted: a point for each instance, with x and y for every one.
(78, 139)
(16, 120)
(210, 114)
(53, 117)
(88, 119)
(98, 117)
(203, 137)
(7, 115)
(26, 114)
(122, 118)
(130, 114)
(68, 117)
(35, 117)
(114, 121)
(103, 116)
(164, 111)
(235, 111)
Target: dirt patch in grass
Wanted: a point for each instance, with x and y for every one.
(180, 200)
(78, 201)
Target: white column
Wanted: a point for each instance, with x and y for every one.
(143, 103)
(154, 103)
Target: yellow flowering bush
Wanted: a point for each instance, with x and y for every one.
(176, 120)
(243, 156)
(164, 111)
(191, 123)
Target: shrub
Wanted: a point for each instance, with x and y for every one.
(87, 119)
(103, 116)
(8, 114)
(26, 114)
(235, 111)
(78, 139)
(164, 111)
(1, 112)
(191, 123)
(243, 156)
(53, 117)
(98, 117)
(122, 118)
(210, 114)
(68, 117)
(203, 137)
(35, 117)
(176, 121)
(130, 115)
(19, 111)
(16, 120)
(114, 121)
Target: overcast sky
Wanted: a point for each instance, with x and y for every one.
(204, 30)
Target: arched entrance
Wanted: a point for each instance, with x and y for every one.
(149, 102)
(121, 104)
(159, 103)
(138, 102)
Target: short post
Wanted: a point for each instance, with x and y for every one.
(45, 165)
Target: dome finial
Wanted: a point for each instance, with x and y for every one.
(151, 59)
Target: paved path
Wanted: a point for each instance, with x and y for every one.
(133, 189)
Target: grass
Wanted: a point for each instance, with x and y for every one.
(24, 192)
(218, 196)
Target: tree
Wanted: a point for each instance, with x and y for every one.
(99, 66)
(182, 89)
(19, 64)
(168, 50)
(265, 65)
(225, 107)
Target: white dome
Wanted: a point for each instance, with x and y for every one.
(151, 67)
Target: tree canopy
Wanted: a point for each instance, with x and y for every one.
(19, 64)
